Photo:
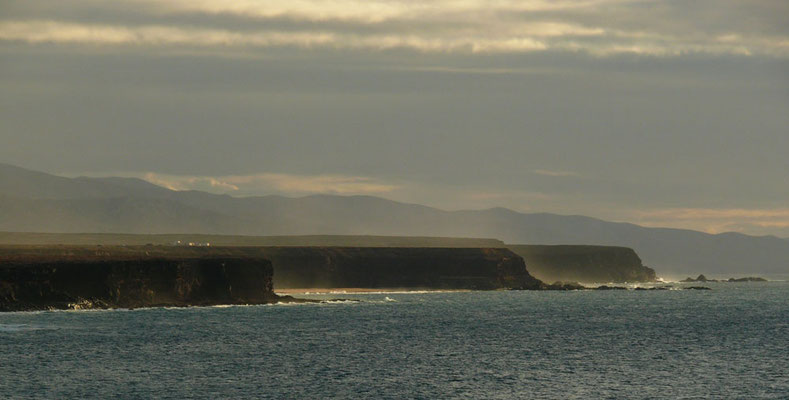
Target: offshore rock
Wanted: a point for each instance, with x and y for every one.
(702, 278)
(604, 287)
(748, 279)
(559, 285)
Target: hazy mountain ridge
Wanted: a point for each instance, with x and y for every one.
(38, 202)
(20, 182)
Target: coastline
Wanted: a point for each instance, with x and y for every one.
(356, 290)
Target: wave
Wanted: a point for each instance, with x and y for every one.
(355, 293)
(12, 328)
(338, 301)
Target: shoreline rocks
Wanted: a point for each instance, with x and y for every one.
(702, 278)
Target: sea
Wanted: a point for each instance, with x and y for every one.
(731, 342)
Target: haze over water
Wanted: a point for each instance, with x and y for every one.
(726, 343)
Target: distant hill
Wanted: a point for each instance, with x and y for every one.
(37, 202)
(24, 183)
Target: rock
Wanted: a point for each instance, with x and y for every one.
(703, 278)
(559, 285)
(700, 278)
(604, 287)
(748, 279)
(697, 288)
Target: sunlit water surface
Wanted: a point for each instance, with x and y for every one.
(731, 342)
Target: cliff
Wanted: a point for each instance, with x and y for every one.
(584, 263)
(387, 267)
(65, 277)
(128, 279)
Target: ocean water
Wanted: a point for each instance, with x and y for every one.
(730, 342)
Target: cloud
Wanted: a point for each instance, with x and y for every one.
(712, 213)
(546, 172)
(597, 27)
(190, 182)
(365, 11)
(716, 220)
(58, 32)
(267, 183)
(337, 184)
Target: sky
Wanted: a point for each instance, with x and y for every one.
(661, 113)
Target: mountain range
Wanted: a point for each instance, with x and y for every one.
(32, 201)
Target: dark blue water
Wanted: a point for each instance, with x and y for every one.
(731, 342)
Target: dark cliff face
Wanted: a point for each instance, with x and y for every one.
(62, 277)
(386, 267)
(584, 263)
(132, 283)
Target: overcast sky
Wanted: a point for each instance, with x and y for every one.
(663, 113)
